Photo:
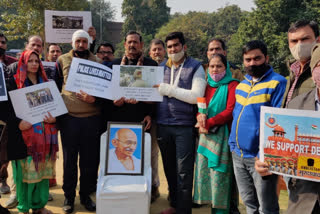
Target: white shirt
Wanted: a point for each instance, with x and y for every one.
(115, 166)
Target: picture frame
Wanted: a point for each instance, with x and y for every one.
(125, 149)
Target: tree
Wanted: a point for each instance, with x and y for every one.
(145, 16)
(29, 16)
(269, 22)
(200, 27)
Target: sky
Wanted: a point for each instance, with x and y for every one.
(191, 5)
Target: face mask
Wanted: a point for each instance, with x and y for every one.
(316, 76)
(217, 77)
(302, 51)
(257, 70)
(177, 56)
(2, 51)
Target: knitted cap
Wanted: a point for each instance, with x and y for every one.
(315, 56)
(80, 34)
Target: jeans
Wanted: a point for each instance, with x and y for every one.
(177, 144)
(259, 194)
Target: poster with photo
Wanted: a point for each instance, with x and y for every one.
(290, 142)
(60, 25)
(3, 89)
(125, 149)
(34, 102)
(91, 77)
(138, 82)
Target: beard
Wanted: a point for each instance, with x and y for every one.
(2, 52)
(257, 71)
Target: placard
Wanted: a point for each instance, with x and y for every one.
(3, 89)
(90, 77)
(138, 82)
(60, 25)
(125, 149)
(290, 142)
(34, 102)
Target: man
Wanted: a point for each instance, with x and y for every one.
(302, 35)
(157, 51)
(80, 131)
(138, 81)
(35, 43)
(121, 158)
(130, 110)
(304, 196)
(184, 81)
(261, 87)
(54, 51)
(5, 59)
(105, 52)
(218, 46)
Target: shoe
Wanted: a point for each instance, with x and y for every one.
(88, 203)
(154, 194)
(50, 197)
(4, 188)
(4, 210)
(11, 203)
(170, 210)
(68, 206)
(195, 205)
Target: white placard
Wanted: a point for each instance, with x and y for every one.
(90, 77)
(51, 65)
(137, 82)
(60, 25)
(34, 102)
(3, 89)
(290, 142)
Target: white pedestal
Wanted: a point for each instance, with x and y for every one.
(117, 194)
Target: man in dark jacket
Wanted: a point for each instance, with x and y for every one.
(129, 110)
(304, 196)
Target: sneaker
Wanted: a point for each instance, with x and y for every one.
(11, 203)
(4, 188)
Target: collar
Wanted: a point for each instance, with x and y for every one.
(296, 66)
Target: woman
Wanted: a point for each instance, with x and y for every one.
(213, 162)
(32, 148)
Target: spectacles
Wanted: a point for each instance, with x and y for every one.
(128, 142)
(105, 52)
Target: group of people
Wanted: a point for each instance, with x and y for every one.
(217, 143)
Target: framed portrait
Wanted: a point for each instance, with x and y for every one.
(125, 149)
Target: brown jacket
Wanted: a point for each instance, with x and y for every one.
(303, 194)
(75, 106)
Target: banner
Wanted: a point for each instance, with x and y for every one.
(34, 102)
(60, 25)
(138, 82)
(90, 77)
(290, 142)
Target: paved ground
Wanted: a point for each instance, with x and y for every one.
(156, 207)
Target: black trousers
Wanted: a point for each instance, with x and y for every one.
(177, 144)
(80, 136)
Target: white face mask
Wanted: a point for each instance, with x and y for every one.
(302, 51)
(176, 57)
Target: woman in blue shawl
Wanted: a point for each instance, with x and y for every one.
(213, 177)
